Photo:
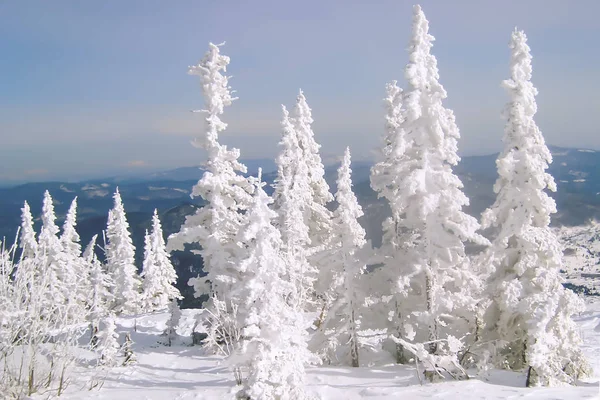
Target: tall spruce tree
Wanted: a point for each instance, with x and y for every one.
(120, 260)
(344, 298)
(531, 311)
(273, 346)
(292, 193)
(226, 191)
(426, 199)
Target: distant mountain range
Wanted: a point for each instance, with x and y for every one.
(576, 171)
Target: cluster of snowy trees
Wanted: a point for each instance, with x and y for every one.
(290, 281)
(51, 294)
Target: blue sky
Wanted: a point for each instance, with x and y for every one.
(92, 88)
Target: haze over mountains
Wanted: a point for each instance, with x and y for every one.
(576, 171)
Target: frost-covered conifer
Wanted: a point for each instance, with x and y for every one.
(27, 242)
(291, 196)
(343, 298)
(128, 354)
(172, 322)
(120, 260)
(428, 228)
(76, 277)
(226, 191)
(52, 261)
(316, 215)
(26, 269)
(158, 273)
(99, 297)
(273, 346)
(301, 195)
(108, 342)
(6, 289)
(531, 310)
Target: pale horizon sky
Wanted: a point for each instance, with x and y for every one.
(98, 88)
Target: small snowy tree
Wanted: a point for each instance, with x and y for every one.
(128, 354)
(531, 311)
(226, 191)
(26, 269)
(273, 346)
(158, 273)
(120, 260)
(341, 323)
(99, 296)
(173, 322)
(108, 342)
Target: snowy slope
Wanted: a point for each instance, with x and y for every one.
(582, 255)
(183, 372)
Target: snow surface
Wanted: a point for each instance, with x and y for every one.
(184, 372)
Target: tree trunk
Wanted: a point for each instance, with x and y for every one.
(429, 284)
(400, 356)
(353, 338)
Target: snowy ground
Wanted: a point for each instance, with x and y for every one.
(183, 372)
(582, 255)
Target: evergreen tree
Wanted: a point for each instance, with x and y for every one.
(292, 193)
(531, 311)
(120, 260)
(108, 342)
(273, 345)
(426, 199)
(99, 296)
(316, 215)
(27, 242)
(128, 354)
(341, 323)
(226, 191)
(76, 276)
(52, 262)
(172, 322)
(26, 271)
(158, 273)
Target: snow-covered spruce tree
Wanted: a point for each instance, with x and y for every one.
(77, 282)
(292, 193)
(391, 165)
(129, 357)
(273, 346)
(52, 263)
(99, 297)
(158, 274)
(26, 268)
(316, 215)
(226, 191)
(530, 312)
(120, 260)
(428, 225)
(340, 325)
(108, 342)
(172, 323)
